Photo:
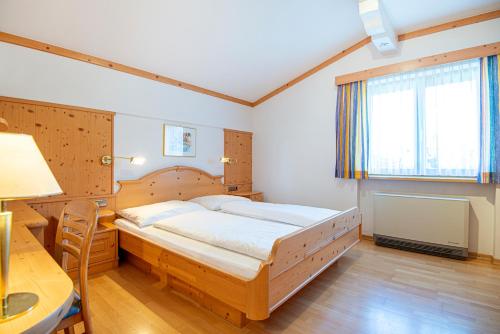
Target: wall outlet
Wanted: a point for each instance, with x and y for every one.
(103, 202)
(232, 188)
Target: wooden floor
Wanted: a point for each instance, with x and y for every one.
(370, 290)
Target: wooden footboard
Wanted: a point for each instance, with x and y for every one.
(299, 257)
(294, 261)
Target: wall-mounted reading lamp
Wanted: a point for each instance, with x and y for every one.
(227, 160)
(107, 160)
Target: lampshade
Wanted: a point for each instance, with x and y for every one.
(24, 173)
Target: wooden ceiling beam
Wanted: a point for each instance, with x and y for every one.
(36, 45)
(443, 58)
(414, 34)
(29, 43)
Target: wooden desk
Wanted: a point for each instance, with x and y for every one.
(25, 215)
(32, 269)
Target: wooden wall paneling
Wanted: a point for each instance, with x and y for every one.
(72, 140)
(21, 117)
(238, 146)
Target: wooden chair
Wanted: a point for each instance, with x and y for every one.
(75, 231)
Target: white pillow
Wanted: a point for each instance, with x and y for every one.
(146, 215)
(214, 202)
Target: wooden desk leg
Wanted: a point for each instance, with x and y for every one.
(38, 232)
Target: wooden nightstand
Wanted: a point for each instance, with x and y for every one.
(256, 196)
(104, 249)
(106, 216)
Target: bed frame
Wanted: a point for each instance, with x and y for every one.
(295, 260)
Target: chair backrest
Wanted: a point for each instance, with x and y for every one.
(75, 231)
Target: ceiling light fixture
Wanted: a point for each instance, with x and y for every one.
(378, 26)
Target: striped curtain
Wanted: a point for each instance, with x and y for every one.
(489, 165)
(352, 131)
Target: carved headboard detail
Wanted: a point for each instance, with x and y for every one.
(178, 182)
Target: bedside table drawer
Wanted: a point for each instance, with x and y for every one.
(258, 197)
(103, 249)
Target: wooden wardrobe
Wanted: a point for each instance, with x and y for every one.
(238, 173)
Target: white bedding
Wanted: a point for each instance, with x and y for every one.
(244, 235)
(220, 258)
(298, 215)
(146, 215)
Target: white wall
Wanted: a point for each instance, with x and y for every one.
(142, 106)
(294, 140)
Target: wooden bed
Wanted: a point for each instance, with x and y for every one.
(295, 260)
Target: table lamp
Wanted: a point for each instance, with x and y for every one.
(23, 174)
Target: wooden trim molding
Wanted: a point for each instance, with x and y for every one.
(29, 43)
(315, 69)
(53, 105)
(239, 131)
(32, 44)
(451, 25)
(414, 34)
(443, 58)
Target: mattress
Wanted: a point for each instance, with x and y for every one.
(225, 260)
(248, 236)
(297, 215)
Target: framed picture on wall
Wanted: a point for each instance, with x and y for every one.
(179, 141)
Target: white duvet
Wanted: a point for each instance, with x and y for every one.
(298, 215)
(244, 235)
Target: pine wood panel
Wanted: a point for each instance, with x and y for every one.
(238, 146)
(71, 140)
(443, 58)
(178, 182)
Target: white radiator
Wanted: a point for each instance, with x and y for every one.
(429, 224)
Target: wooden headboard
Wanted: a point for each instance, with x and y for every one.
(178, 182)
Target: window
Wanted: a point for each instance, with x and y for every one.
(426, 122)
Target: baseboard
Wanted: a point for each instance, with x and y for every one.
(473, 256)
(485, 258)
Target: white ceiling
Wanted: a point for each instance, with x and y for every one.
(242, 48)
